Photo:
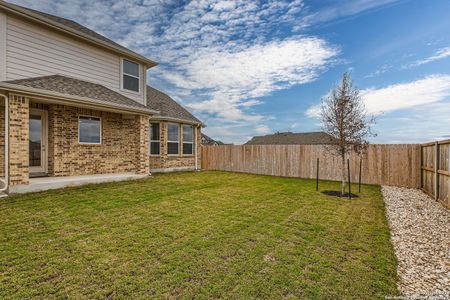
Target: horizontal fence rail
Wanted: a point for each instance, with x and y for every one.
(397, 165)
(435, 170)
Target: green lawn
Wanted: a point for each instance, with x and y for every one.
(202, 235)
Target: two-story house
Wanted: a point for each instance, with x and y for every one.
(75, 104)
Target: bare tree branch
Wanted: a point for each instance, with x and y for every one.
(345, 118)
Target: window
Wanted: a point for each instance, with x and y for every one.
(130, 76)
(172, 138)
(89, 130)
(188, 139)
(154, 139)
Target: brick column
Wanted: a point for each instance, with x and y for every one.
(142, 147)
(19, 111)
(163, 144)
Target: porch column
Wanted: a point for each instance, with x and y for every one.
(19, 111)
(143, 148)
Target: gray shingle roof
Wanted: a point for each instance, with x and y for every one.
(290, 138)
(206, 140)
(75, 87)
(77, 28)
(167, 107)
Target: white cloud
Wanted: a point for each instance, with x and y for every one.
(423, 123)
(343, 9)
(313, 111)
(220, 57)
(235, 78)
(262, 129)
(438, 55)
(381, 70)
(421, 106)
(433, 88)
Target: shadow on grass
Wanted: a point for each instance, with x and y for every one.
(338, 194)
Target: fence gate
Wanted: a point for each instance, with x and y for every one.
(435, 170)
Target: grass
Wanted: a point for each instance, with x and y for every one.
(202, 235)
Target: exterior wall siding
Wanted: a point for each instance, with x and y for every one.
(2, 46)
(165, 161)
(33, 51)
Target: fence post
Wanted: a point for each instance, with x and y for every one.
(317, 175)
(420, 166)
(436, 169)
(359, 181)
(349, 180)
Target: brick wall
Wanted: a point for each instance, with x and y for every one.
(124, 148)
(18, 139)
(124, 140)
(165, 161)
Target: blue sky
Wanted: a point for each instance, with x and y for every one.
(256, 67)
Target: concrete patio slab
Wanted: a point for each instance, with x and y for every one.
(50, 183)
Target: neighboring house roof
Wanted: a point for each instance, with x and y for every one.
(168, 108)
(290, 138)
(73, 28)
(206, 140)
(71, 87)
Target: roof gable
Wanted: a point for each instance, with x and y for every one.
(75, 28)
(168, 107)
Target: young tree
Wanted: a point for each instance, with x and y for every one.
(345, 118)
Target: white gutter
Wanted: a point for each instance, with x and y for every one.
(196, 147)
(6, 180)
(177, 120)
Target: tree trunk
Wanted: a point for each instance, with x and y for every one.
(343, 175)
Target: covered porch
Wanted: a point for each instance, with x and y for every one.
(59, 141)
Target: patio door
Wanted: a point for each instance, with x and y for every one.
(38, 159)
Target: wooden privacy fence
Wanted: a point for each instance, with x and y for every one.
(397, 165)
(435, 173)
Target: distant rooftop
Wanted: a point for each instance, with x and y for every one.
(206, 140)
(291, 138)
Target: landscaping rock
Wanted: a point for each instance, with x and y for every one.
(420, 233)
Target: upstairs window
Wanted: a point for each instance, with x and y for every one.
(173, 132)
(130, 76)
(89, 130)
(154, 139)
(188, 139)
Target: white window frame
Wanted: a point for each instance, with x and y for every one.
(123, 73)
(101, 130)
(169, 141)
(191, 142)
(150, 133)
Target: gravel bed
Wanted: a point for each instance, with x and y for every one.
(420, 233)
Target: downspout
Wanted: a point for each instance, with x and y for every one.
(6, 181)
(196, 147)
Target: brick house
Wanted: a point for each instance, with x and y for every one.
(75, 105)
